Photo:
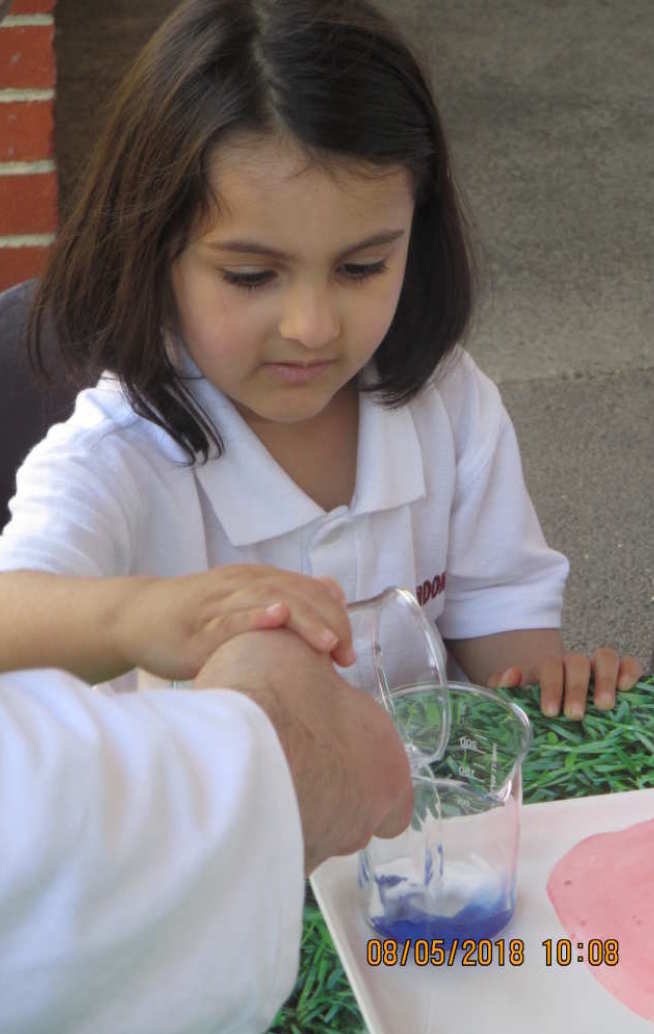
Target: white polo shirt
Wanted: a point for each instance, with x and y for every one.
(440, 505)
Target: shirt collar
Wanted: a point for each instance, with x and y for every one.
(254, 499)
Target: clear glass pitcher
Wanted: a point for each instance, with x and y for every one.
(452, 873)
(400, 656)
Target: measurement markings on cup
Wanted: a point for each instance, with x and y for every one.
(466, 743)
(493, 766)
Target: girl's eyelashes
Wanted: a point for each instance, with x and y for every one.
(252, 281)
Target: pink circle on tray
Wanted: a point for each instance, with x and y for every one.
(604, 888)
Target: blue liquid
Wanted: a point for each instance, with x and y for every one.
(481, 918)
(474, 921)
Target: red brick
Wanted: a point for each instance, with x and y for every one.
(26, 131)
(28, 203)
(26, 57)
(32, 6)
(18, 264)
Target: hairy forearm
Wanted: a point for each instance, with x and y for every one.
(60, 621)
(523, 648)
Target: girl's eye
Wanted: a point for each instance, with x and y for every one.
(251, 281)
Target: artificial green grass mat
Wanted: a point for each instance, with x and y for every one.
(606, 752)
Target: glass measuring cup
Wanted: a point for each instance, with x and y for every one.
(401, 656)
(452, 873)
(398, 652)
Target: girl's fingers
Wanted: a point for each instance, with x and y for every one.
(571, 674)
(333, 588)
(341, 652)
(513, 678)
(550, 677)
(509, 679)
(249, 619)
(276, 614)
(630, 671)
(273, 614)
(577, 677)
(605, 664)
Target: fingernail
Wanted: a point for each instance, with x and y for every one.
(550, 710)
(575, 712)
(506, 677)
(625, 682)
(328, 639)
(603, 701)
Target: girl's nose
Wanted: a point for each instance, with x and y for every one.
(310, 316)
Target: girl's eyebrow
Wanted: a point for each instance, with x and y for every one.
(253, 248)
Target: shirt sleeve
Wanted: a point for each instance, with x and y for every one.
(501, 574)
(77, 509)
(152, 861)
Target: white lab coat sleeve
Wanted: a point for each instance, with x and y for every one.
(151, 861)
(501, 573)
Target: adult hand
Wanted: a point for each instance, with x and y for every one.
(567, 677)
(349, 767)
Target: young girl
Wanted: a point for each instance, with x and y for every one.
(268, 275)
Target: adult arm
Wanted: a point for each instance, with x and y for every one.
(152, 861)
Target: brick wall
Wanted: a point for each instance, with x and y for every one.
(28, 178)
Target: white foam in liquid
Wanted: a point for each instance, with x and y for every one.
(461, 883)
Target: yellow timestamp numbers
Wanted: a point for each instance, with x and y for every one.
(484, 952)
(563, 951)
(468, 952)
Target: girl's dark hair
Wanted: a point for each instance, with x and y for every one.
(339, 79)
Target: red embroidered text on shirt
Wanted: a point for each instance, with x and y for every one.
(430, 589)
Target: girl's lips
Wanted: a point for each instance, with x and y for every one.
(293, 373)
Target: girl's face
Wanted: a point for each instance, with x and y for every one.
(324, 297)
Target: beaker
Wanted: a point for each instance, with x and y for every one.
(465, 823)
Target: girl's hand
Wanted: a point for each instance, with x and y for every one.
(571, 673)
(171, 626)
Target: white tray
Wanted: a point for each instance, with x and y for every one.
(494, 999)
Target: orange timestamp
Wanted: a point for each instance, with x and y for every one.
(434, 952)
